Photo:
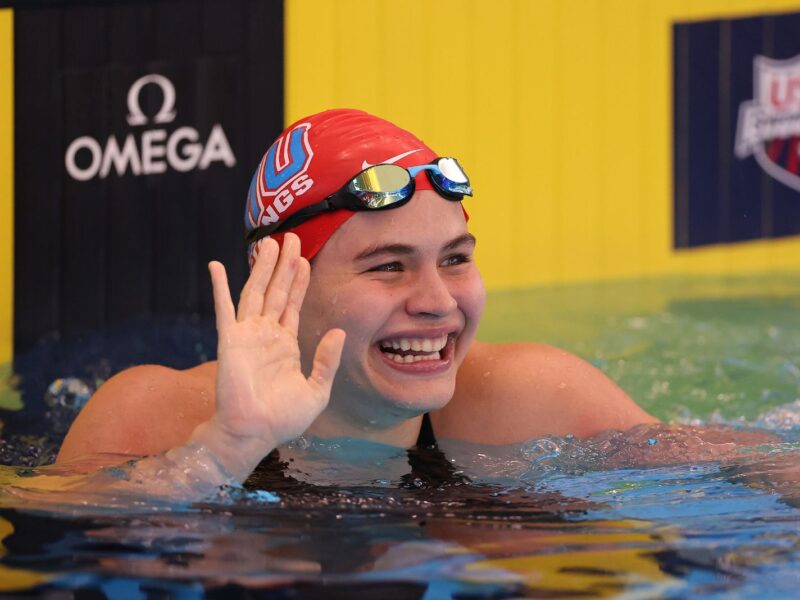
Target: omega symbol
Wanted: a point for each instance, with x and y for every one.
(165, 114)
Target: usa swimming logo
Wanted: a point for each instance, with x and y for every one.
(769, 124)
(280, 177)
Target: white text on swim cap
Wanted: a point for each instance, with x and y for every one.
(284, 198)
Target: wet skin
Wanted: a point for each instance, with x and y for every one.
(383, 276)
(405, 273)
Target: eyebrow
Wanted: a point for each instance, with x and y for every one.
(405, 250)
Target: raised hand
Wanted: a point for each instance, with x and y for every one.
(262, 397)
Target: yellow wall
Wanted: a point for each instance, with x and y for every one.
(6, 184)
(559, 109)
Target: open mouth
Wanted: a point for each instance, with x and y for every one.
(408, 351)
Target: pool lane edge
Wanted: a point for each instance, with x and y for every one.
(6, 185)
(9, 397)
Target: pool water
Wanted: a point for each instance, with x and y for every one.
(538, 519)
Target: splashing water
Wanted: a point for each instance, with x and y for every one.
(551, 517)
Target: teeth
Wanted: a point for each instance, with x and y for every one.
(412, 359)
(416, 344)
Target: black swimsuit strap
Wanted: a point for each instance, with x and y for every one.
(429, 468)
(426, 437)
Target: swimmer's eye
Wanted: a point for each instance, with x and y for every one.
(456, 259)
(397, 267)
(392, 267)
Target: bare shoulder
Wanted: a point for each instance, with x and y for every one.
(143, 410)
(507, 393)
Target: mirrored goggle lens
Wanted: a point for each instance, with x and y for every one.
(381, 185)
(451, 177)
(452, 170)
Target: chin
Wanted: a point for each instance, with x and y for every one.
(413, 387)
(416, 399)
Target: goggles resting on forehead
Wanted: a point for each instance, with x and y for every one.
(379, 187)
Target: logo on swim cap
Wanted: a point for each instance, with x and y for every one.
(389, 161)
(280, 178)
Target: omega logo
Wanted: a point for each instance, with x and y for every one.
(166, 114)
(155, 150)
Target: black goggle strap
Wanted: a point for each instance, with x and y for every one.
(351, 197)
(355, 197)
(301, 216)
(350, 200)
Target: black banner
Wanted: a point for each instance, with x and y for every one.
(736, 129)
(138, 126)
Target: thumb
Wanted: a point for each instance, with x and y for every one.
(326, 361)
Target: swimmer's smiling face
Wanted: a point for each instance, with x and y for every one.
(404, 286)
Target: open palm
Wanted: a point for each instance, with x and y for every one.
(261, 390)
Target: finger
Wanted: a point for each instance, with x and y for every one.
(278, 291)
(326, 362)
(223, 305)
(251, 302)
(291, 314)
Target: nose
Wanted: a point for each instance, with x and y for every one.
(430, 296)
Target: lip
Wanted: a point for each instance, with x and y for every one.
(423, 367)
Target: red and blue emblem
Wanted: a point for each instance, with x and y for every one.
(286, 160)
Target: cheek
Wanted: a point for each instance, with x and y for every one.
(471, 296)
(359, 313)
(316, 317)
(363, 313)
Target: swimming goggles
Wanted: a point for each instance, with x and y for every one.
(379, 187)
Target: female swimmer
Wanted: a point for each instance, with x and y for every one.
(382, 322)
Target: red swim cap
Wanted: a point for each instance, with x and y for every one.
(317, 156)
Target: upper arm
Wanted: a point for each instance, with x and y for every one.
(514, 392)
(140, 411)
